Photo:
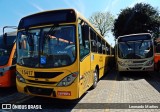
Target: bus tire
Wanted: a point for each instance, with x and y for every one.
(95, 79)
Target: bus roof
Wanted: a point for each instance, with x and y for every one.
(82, 17)
(77, 15)
(135, 37)
(134, 34)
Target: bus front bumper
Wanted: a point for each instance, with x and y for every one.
(67, 92)
(137, 68)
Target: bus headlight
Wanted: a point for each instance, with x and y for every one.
(121, 63)
(20, 78)
(68, 79)
(149, 63)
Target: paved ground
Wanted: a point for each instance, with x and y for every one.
(114, 93)
(125, 89)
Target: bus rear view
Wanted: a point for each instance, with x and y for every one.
(135, 52)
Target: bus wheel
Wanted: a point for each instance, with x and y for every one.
(95, 80)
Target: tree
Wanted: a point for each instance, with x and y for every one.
(102, 21)
(142, 18)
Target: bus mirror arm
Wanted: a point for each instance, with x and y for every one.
(5, 34)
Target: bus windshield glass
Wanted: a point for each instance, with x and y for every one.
(6, 48)
(135, 49)
(47, 47)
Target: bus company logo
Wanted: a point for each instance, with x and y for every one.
(6, 106)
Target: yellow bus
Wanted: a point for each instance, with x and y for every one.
(59, 55)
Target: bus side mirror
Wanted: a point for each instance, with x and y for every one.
(5, 38)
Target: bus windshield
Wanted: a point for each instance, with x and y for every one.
(47, 47)
(135, 49)
(6, 48)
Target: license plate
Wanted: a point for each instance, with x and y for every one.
(28, 73)
(64, 93)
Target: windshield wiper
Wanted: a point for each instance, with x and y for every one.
(50, 30)
(141, 44)
(128, 45)
(46, 35)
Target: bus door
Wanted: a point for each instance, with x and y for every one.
(84, 57)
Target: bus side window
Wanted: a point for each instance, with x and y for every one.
(93, 41)
(99, 44)
(84, 40)
(80, 34)
(103, 47)
(107, 49)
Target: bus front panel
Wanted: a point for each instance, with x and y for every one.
(56, 83)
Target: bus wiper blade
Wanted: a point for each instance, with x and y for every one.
(46, 34)
(128, 45)
(141, 44)
(50, 30)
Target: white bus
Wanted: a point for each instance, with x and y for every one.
(135, 52)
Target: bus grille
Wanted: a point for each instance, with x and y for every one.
(142, 61)
(46, 74)
(41, 82)
(40, 91)
(136, 68)
(135, 65)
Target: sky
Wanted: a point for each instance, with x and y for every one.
(13, 10)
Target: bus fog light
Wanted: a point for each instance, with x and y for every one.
(68, 80)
